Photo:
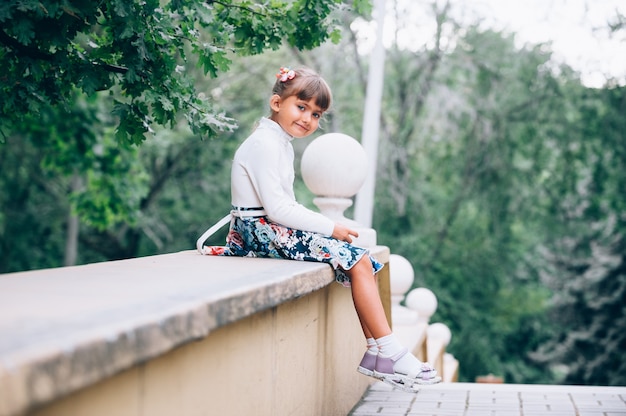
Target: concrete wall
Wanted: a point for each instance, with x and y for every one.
(272, 345)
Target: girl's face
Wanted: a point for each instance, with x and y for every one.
(297, 117)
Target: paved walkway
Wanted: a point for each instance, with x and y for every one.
(474, 399)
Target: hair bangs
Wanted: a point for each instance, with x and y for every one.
(315, 88)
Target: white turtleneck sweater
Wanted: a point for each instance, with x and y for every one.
(262, 175)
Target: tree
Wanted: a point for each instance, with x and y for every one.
(585, 265)
(465, 119)
(137, 50)
(585, 261)
(67, 157)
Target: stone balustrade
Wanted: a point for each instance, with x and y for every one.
(180, 334)
(411, 323)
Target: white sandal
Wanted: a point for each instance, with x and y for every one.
(424, 375)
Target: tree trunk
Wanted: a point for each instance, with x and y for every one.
(71, 242)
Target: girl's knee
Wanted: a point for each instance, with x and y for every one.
(365, 263)
(362, 268)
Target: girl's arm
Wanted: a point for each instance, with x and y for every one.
(269, 167)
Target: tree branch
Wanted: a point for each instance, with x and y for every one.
(234, 6)
(22, 49)
(35, 53)
(112, 68)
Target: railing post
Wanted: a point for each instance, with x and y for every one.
(424, 303)
(450, 368)
(401, 281)
(405, 323)
(439, 336)
(334, 167)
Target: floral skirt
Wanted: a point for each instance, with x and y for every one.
(260, 237)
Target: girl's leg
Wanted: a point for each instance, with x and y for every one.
(369, 308)
(366, 298)
(368, 334)
(367, 301)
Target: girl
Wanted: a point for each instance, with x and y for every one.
(268, 222)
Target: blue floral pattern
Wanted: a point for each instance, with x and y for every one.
(260, 237)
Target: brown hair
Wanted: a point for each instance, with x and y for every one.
(305, 85)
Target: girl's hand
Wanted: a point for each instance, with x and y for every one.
(341, 232)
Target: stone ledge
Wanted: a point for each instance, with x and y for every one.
(67, 328)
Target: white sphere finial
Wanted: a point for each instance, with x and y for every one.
(400, 279)
(401, 275)
(334, 167)
(439, 332)
(423, 301)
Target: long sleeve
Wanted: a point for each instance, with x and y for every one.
(263, 175)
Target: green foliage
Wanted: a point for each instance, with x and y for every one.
(33, 211)
(138, 50)
(113, 189)
(508, 202)
(76, 142)
(587, 266)
(467, 148)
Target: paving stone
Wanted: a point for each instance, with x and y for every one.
(365, 409)
(393, 411)
(452, 406)
(469, 399)
(438, 412)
